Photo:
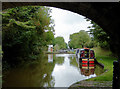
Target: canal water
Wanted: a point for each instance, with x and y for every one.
(52, 70)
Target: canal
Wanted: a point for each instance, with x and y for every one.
(51, 70)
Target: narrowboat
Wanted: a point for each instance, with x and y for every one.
(87, 55)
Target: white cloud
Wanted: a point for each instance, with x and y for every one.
(67, 23)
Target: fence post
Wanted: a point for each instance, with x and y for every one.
(115, 75)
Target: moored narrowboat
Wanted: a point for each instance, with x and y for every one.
(87, 55)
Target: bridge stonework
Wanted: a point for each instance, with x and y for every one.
(106, 15)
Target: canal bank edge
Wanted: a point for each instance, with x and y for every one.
(60, 52)
(92, 84)
(89, 84)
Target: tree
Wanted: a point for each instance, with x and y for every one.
(99, 35)
(79, 40)
(49, 37)
(73, 43)
(59, 41)
(56, 47)
(25, 32)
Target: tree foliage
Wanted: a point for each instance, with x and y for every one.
(79, 40)
(59, 43)
(26, 31)
(99, 35)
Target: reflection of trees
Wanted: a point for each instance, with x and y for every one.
(73, 61)
(36, 74)
(59, 60)
(46, 68)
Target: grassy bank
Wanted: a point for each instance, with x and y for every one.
(104, 57)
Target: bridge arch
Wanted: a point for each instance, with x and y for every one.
(106, 15)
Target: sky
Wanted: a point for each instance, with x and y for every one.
(67, 22)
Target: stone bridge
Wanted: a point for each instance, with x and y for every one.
(105, 14)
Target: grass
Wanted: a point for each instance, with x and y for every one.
(104, 57)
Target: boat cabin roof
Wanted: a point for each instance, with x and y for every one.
(86, 48)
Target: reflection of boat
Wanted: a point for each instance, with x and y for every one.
(87, 68)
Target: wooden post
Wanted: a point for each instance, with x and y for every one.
(116, 75)
(119, 73)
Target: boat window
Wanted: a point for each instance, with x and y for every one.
(91, 54)
(86, 53)
(82, 54)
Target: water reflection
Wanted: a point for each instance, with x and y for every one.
(87, 69)
(36, 74)
(60, 70)
(66, 74)
(50, 58)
